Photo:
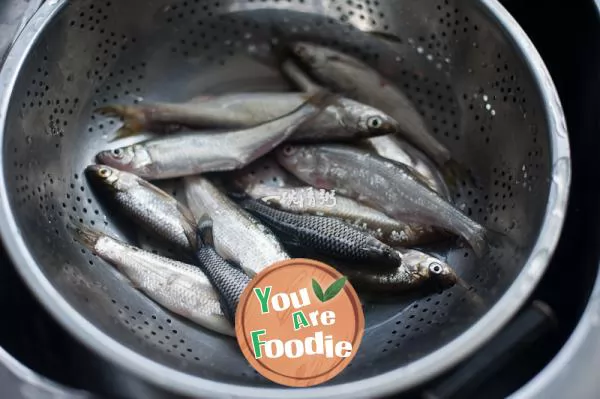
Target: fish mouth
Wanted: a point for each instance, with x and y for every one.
(393, 127)
(93, 170)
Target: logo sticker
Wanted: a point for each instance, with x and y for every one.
(299, 322)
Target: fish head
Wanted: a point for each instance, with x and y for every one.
(441, 273)
(130, 158)
(301, 160)
(368, 121)
(111, 178)
(311, 54)
(292, 156)
(101, 173)
(435, 270)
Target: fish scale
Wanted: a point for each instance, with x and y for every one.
(238, 235)
(345, 119)
(192, 153)
(328, 236)
(229, 280)
(146, 204)
(388, 230)
(155, 213)
(382, 184)
(177, 286)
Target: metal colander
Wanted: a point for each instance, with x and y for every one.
(466, 65)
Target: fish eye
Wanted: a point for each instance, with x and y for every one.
(104, 172)
(374, 122)
(117, 152)
(288, 150)
(435, 268)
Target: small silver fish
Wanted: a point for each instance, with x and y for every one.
(416, 270)
(190, 154)
(360, 82)
(382, 184)
(307, 200)
(344, 119)
(394, 148)
(390, 146)
(146, 204)
(238, 236)
(181, 288)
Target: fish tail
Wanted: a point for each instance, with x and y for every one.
(135, 118)
(84, 234)
(456, 173)
(321, 99)
(123, 132)
(205, 232)
(486, 238)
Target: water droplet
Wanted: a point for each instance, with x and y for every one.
(420, 50)
(29, 139)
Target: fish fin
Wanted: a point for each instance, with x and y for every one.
(146, 184)
(454, 173)
(478, 242)
(321, 100)
(487, 238)
(420, 177)
(122, 133)
(205, 232)
(188, 221)
(134, 118)
(84, 234)
(301, 79)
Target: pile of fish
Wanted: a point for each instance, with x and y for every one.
(364, 184)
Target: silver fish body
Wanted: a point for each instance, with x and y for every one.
(264, 171)
(377, 182)
(344, 119)
(238, 236)
(362, 83)
(394, 148)
(146, 204)
(181, 288)
(307, 200)
(190, 154)
(416, 270)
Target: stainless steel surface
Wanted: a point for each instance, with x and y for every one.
(14, 14)
(471, 70)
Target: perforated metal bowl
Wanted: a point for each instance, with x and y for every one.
(468, 67)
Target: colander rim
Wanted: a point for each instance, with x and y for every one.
(393, 381)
